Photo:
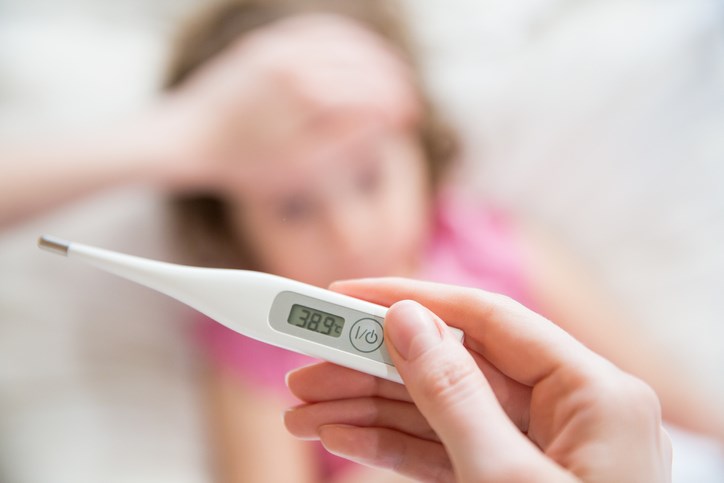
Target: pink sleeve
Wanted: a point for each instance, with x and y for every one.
(475, 245)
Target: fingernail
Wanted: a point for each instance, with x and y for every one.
(411, 329)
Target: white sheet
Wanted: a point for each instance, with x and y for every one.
(602, 118)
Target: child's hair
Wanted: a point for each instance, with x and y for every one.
(201, 220)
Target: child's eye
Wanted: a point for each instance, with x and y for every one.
(295, 208)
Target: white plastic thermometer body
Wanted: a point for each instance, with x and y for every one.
(272, 309)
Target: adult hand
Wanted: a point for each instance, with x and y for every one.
(521, 401)
(287, 92)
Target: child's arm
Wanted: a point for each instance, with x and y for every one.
(248, 441)
(167, 145)
(39, 174)
(564, 294)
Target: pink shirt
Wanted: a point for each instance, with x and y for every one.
(471, 245)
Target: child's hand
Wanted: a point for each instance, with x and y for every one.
(279, 96)
(524, 402)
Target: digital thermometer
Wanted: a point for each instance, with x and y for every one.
(272, 309)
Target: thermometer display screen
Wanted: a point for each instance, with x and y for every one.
(316, 320)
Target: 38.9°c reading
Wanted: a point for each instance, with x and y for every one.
(316, 320)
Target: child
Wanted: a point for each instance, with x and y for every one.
(340, 161)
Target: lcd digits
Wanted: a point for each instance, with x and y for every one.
(316, 320)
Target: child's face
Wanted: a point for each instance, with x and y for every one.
(359, 211)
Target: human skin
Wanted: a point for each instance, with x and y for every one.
(324, 178)
(520, 401)
(216, 131)
(302, 126)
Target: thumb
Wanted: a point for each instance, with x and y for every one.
(451, 392)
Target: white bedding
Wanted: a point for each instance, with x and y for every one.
(604, 119)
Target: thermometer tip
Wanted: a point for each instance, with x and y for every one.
(55, 245)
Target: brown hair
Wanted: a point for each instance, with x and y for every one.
(201, 220)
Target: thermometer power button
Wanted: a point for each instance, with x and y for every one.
(366, 335)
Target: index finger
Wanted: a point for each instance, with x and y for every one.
(520, 343)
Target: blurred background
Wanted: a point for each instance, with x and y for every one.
(604, 120)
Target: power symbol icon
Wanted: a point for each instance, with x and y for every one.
(366, 335)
